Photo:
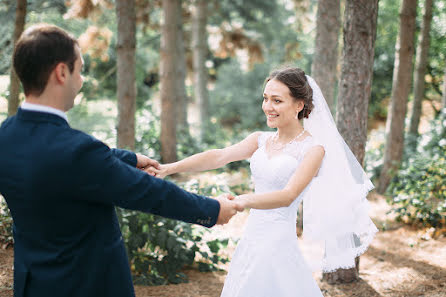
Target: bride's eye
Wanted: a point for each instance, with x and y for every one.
(265, 99)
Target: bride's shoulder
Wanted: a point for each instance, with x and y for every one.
(262, 136)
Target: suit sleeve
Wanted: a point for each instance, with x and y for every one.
(103, 178)
(125, 156)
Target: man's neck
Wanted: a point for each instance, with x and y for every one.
(44, 100)
(37, 106)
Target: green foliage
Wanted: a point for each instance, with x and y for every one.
(5, 223)
(236, 100)
(419, 190)
(147, 133)
(374, 152)
(159, 248)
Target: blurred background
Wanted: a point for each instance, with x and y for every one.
(170, 78)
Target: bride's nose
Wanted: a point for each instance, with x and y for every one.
(267, 106)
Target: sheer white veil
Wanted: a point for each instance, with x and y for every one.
(335, 207)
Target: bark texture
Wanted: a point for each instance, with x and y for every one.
(325, 58)
(420, 67)
(401, 85)
(354, 91)
(14, 86)
(167, 79)
(126, 85)
(181, 68)
(200, 50)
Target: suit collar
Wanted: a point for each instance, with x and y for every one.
(39, 116)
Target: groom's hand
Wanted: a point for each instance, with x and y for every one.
(143, 162)
(227, 208)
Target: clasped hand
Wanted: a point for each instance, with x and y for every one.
(229, 206)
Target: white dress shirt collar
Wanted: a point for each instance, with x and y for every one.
(43, 108)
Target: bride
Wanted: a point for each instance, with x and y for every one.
(309, 163)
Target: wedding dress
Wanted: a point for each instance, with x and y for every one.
(267, 261)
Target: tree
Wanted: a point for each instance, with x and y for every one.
(168, 64)
(402, 78)
(355, 89)
(200, 50)
(180, 76)
(14, 86)
(126, 85)
(325, 58)
(420, 68)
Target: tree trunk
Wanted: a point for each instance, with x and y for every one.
(354, 90)
(168, 88)
(14, 85)
(402, 78)
(200, 50)
(420, 69)
(325, 58)
(181, 74)
(126, 86)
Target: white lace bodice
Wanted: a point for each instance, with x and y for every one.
(272, 173)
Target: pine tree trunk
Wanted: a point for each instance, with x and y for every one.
(14, 86)
(168, 88)
(420, 68)
(181, 74)
(401, 85)
(200, 50)
(354, 91)
(325, 58)
(126, 85)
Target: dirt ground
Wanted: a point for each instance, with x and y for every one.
(401, 262)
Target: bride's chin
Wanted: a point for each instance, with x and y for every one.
(271, 125)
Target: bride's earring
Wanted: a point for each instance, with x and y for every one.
(297, 115)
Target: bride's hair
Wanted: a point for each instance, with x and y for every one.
(296, 81)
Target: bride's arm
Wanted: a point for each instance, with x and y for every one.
(212, 159)
(297, 183)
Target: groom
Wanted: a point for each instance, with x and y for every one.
(62, 185)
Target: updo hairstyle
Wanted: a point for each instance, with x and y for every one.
(296, 81)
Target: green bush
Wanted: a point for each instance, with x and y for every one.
(418, 191)
(159, 248)
(5, 223)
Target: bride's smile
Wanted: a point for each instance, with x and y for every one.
(278, 105)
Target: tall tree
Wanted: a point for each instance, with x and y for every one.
(126, 83)
(200, 50)
(420, 68)
(325, 58)
(14, 86)
(355, 89)
(180, 76)
(401, 85)
(168, 64)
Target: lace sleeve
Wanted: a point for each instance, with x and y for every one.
(263, 137)
(309, 145)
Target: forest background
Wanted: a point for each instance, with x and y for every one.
(172, 78)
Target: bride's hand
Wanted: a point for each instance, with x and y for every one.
(241, 202)
(160, 172)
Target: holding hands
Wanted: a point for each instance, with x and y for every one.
(228, 205)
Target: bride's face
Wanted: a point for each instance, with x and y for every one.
(278, 105)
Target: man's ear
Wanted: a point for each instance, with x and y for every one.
(60, 72)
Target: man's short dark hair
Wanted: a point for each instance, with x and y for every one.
(38, 51)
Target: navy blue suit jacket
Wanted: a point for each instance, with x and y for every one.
(61, 186)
